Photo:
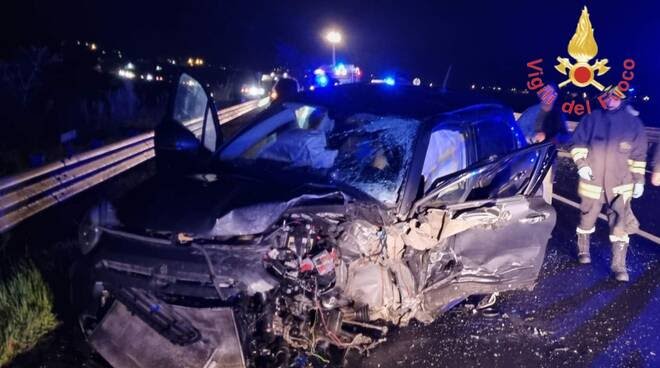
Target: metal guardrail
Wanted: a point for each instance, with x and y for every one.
(30, 192)
(653, 134)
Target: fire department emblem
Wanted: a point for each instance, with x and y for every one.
(582, 48)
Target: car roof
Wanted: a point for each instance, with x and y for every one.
(406, 101)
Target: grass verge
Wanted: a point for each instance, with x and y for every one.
(26, 311)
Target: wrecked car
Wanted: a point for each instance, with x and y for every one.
(326, 220)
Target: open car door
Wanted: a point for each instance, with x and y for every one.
(190, 132)
(494, 227)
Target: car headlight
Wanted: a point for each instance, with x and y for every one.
(91, 228)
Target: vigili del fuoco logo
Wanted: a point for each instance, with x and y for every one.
(581, 73)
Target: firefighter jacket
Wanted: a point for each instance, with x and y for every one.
(613, 144)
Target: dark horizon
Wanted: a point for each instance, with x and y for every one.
(484, 42)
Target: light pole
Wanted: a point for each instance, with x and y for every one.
(334, 37)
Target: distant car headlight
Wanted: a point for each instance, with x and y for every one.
(254, 91)
(90, 228)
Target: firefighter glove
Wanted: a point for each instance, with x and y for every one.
(585, 173)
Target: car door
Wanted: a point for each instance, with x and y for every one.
(190, 131)
(494, 227)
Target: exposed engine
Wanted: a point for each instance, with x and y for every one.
(342, 281)
(310, 310)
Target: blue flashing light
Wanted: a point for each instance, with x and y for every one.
(389, 81)
(321, 80)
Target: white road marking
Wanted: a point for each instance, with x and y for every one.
(576, 205)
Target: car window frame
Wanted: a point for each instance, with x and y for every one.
(411, 189)
(531, 188)
(210, 105)
(507, 126)
(271, 111)
(409, 201)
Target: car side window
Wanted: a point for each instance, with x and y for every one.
(210, 137)
(446, 154)
(284, 142)
(191, 101)
(193, 109)
(495, 137)
(295, 135)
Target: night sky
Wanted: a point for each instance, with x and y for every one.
(485, 41)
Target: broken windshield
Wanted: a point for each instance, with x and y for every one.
(365, 151)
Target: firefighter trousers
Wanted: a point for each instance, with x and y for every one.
(618, 214)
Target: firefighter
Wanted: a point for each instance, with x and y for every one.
(609, 148)
(545, 122)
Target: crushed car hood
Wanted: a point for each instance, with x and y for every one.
(217, 205)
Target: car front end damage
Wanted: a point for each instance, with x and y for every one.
(320, 280)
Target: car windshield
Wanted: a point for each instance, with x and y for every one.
(365, 151)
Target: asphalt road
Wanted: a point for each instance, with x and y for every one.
(577, 316)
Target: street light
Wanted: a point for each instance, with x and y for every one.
(334, 37)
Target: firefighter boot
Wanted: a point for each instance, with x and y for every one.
(583, 248)
(619, 250)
